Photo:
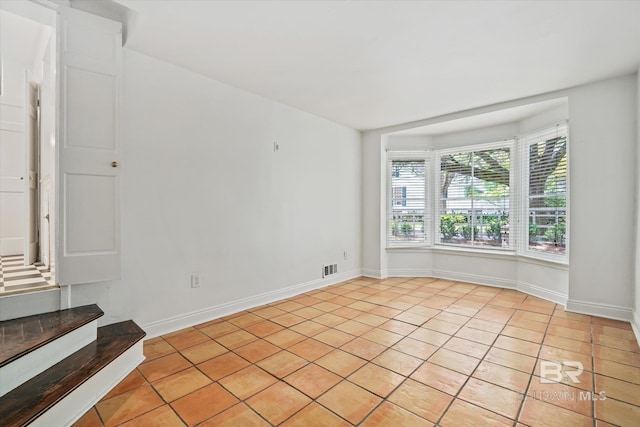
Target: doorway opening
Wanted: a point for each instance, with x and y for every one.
(27, 149)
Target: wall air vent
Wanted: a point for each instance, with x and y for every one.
(329, 270)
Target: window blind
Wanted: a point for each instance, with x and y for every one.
(474, 200)
(408, 216)
(545, 183)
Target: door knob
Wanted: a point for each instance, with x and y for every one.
(114, 164)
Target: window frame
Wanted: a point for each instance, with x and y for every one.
(524, 142)
(509, 143)
(426, 156)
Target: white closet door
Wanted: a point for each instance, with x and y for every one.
(88, 189)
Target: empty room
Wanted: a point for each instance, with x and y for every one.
(319, 213)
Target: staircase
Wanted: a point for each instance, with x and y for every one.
(55, 366)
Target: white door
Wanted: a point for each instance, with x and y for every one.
(88, 176)
(12, 160)
(47, 165)
(45, 244)
(31, 176)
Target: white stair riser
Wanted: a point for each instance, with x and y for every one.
(28, 304)
(78, 402)
(28, 366)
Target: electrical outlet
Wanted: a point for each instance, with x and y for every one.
(195, 280)
(346, 255)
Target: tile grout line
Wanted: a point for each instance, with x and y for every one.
(532, 374)
(593, 372)
(515, 421)
(407, 291)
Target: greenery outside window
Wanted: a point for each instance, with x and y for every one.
(406, 210)
(545, 166)
(511, 195)
(474, 202)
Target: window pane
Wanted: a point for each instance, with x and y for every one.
(474, 202)
(406, 222)
(548, 194)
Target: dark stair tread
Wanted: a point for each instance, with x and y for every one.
(26, 334)
(27, 402)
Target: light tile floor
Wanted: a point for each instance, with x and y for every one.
(395, 352)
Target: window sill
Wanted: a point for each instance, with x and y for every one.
(561, 264)
(505, 254)
(408, 248)
(475, 252)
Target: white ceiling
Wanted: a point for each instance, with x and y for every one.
(370, 64)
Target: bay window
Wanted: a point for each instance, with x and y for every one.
(510, 195)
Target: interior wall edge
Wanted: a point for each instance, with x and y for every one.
(374, 273)
(540, 292)
(635, 324)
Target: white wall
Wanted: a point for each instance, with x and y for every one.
(636, 316)
(204, 191)
(13, 158)
(476, 136)
(373, 259)
(602, 175)
(599, 278)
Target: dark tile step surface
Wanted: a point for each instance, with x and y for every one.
(26, 334)
(24, 404)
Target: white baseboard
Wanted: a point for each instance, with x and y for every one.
(186, 320)
(540, 292)
(475, 279)
(410, 272)
(79, 401)
(28, 366)
(601, 310)
(373, 273)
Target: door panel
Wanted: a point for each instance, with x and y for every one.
(91, 223)
(13, 158)
(88, 191)
(31, 176)
(90, 98)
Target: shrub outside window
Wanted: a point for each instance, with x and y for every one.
(406, 214)
(474, 203)
(545, 156)
(510, 195)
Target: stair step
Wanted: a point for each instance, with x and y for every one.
(33, 344)
(21, 336)
(35, 397)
